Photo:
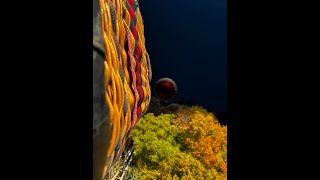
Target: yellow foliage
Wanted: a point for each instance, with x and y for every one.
(202, 152)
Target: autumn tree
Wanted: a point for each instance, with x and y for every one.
(154, 139)
(206, 139)
(190, 144)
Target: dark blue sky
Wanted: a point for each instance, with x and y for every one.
(187, 41)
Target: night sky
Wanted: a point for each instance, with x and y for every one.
(187, 42)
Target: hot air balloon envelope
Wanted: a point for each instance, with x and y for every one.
(165, 88)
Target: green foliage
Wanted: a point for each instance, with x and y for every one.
(154, 138)
(190, 144)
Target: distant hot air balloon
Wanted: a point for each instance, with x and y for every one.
(165, 89)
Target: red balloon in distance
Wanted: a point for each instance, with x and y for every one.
(165, 88)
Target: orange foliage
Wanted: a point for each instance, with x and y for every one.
(201, 142)
(207, 140)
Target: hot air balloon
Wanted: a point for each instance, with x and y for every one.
(165, 89)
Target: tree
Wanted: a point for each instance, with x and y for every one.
(154, 138)
(207, 140)
(190, 144)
